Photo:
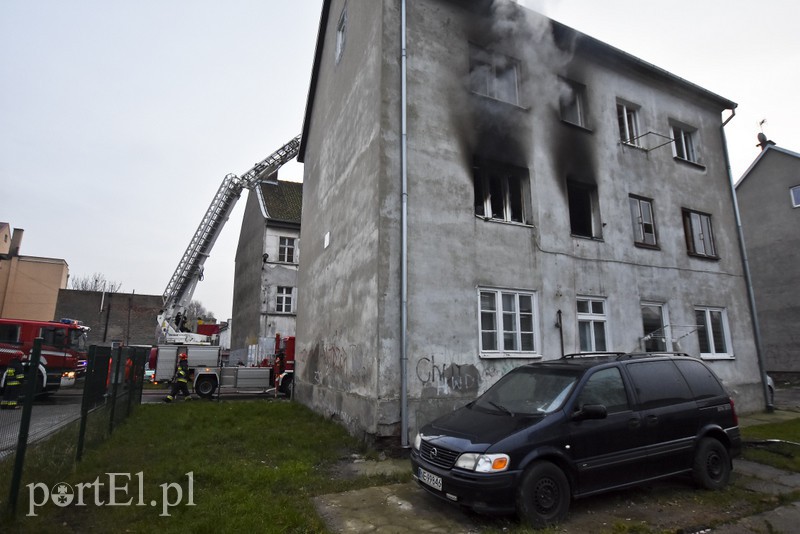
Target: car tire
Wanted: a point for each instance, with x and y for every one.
(205, 387)
(543, 497)
(287, 386)
(712, 464)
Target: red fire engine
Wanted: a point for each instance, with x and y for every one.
(64, 345)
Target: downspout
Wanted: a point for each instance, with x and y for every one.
(746, 265)
(404, 233)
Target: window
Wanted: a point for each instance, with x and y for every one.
(699, 235)
(584, 219)
(507, 321)
(592, 324)
(286, 250)
(605, 387)
(654, 324)
(493, 75)
(499, 193)
(628, 118)
(683, 145)
(712, 331)
(284, 300)
(795, 192)
(644, 225)
(341, 32)
(573, 103)
(659, 384)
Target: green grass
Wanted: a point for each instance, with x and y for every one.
(256, 467)
(782, 456)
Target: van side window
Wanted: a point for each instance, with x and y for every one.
(658, 384)
(605, 387)
(701, 380)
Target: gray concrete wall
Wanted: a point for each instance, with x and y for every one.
(247, 278)
(772, 236)
(348, 328)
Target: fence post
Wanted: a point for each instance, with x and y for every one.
(114, 388)
(25, 423)
(87, 392)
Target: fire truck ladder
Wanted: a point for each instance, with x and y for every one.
(181, 286)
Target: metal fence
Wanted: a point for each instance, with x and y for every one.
(42, 440)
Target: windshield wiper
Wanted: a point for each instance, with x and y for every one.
(501, 408)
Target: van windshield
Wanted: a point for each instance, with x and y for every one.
(529, 391)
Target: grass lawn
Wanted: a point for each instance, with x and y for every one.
(255, 467)
(781, 455)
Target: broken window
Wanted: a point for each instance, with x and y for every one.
(583, 210)
(699, 234)
(628, 118)
(573, 103)
(499, 192)
(493, 75)
(644, 225)
(683, 145)
(507, 320)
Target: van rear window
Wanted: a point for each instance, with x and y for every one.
(702, 381)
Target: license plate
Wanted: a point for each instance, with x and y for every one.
(430, 479)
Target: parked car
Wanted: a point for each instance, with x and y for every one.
(555, 430)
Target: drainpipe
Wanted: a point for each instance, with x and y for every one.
(746, 265)
(404, 233)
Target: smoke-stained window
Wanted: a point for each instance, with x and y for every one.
(500, 192)
(493, 75)
(573, 103)
(584, 212)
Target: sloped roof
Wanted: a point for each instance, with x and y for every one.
(283, 201)
(770, 148)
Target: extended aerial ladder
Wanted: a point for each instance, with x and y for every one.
(189, 272)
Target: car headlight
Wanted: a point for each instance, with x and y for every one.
(417, 441)
(483, 463)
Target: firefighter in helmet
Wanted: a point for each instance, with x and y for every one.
(181, 379)
(14, 377)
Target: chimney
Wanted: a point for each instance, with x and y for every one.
(16, 242)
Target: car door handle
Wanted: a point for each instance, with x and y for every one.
(634, 423)
(651, 420)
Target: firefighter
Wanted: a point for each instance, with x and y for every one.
(181, 379)
(15, 374)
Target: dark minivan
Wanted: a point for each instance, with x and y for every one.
(555, 430)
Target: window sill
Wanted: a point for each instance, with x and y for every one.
(577, 126)
(497, 100)
(646, 246)
(587, 238)
(501, 221)
(503, 355)
(702, 257)
(689, 163)
(625, 144)
(717, 357)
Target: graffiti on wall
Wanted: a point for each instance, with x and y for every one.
(447, 378)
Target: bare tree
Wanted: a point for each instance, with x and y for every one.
(195, 310)
(95, 282)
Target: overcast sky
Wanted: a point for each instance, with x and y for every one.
(119, 119)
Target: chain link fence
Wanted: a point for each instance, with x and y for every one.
(42, 439)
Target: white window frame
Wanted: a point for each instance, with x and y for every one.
(487, 75)
(699, 232)
(684, 146)
(494, 325)
(572, 105)
(281, 298)
(794, 192)
(707, 327)
(628, 119)
(341, 34)
(592, 318)
(639, 220)
(287, 249)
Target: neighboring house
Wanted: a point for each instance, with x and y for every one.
(769, 203)
(562, 196)
(125, 318)
(265, 280)
(29, 285)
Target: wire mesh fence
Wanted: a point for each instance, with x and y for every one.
(45, 435)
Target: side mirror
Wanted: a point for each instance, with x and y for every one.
(590, 411)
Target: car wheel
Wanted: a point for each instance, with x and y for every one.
(287, 386)
(544, 496)
(205, 387)
(712, 464)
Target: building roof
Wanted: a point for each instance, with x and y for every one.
(562, 34)
(769, 149)
(281, 201)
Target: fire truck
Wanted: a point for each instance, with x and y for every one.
(204, 358)
(64, 346)
(274, 374)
